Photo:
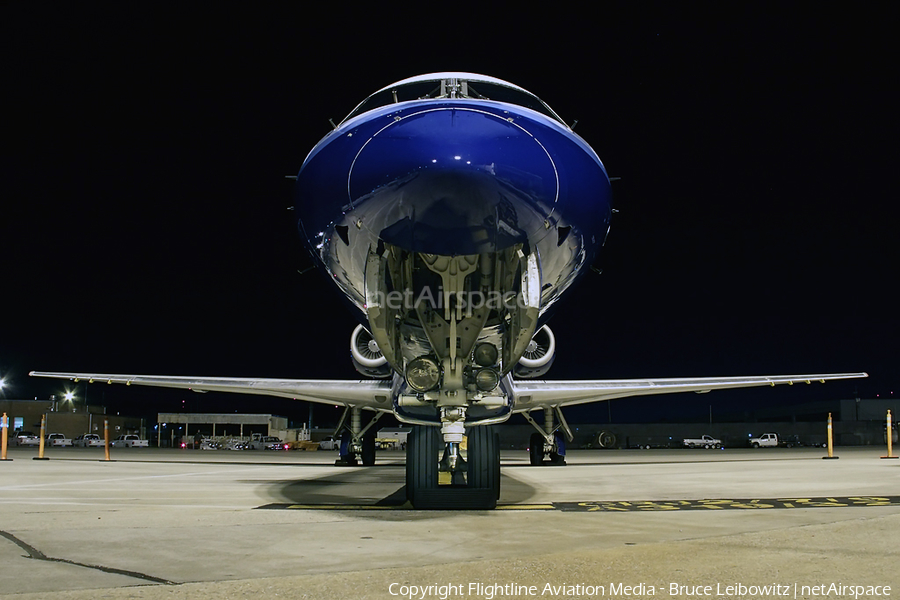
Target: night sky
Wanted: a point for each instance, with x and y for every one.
(146, 228)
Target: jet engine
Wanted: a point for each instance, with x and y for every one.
(538, 356)
(366, 356)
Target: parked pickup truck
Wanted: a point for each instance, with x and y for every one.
(88, 440)
(330, 443)
(766, 440)
(26, 438)
(129, 441)
(706, 441)
(58, 439)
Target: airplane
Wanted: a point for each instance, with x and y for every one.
(453, 211)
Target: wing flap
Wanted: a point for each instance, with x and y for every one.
(531, 394)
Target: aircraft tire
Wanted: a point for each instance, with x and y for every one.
(484, 462)
(536, 449)
(348, 459)
(368, 450)
(410, 464)
(558, 455)
(422, 450)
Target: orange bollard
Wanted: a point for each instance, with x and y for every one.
(890, 436)
(830, 441)
(106, 437)
(4, 437)
(40, 455)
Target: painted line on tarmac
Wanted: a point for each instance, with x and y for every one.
(727, 504)
(639, 505)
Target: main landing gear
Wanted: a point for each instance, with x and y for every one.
(357, 442)
(436, 479)
(549, 441)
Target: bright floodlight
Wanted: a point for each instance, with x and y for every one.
(69, 395)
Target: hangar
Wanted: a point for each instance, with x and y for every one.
(172, 426)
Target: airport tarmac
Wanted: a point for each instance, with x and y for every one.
(219, 524)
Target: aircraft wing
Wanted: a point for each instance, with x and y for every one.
(375, 395)
(532, 394)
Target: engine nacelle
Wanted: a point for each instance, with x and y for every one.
(366, 356)
(538, 356)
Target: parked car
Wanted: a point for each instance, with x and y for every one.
(26, 438)
(276, 444)
(129, 441)
(88, 440)
(236, 445)
(58, 439)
